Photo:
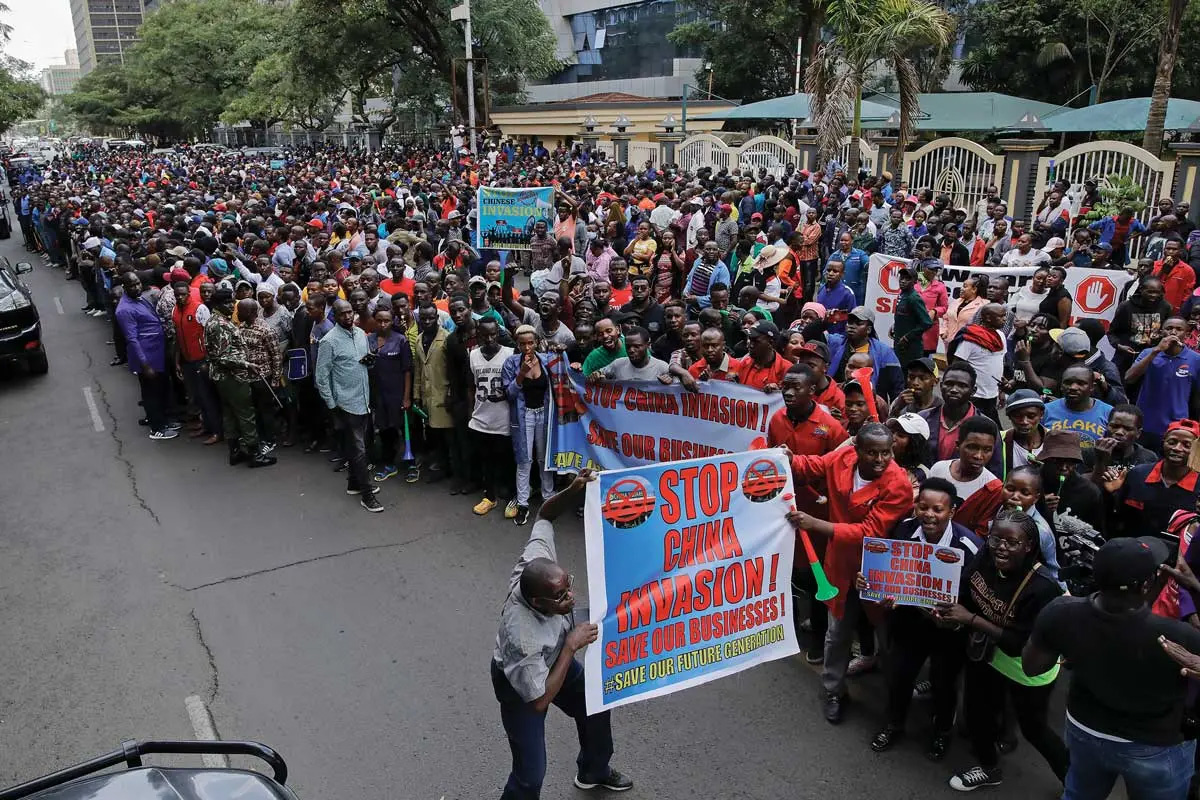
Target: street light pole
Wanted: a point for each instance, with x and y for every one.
(463, 12)
(796, 90)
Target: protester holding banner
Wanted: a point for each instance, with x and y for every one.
(914, 637)
(805, 428)
(868, 494)
(534, 664)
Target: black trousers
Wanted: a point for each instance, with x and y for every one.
(155, 396)
(496, 461)
(914, 638)
(352, 431)
(985, 692)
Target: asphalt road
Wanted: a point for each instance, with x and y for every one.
(134, 574)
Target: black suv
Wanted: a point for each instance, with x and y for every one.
(20, 325)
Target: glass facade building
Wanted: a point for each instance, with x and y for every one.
(618, 47)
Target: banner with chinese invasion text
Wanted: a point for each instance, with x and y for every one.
(689, 574)
(507, 216)
(618, 424)
(915, 573)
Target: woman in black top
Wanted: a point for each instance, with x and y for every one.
(1002, 591)
(528, 388)
(1058, 300)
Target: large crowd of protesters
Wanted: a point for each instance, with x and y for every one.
(337, 306)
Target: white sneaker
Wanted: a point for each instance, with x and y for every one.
(164, 434)
(974, 778)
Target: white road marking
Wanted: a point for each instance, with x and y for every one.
(97, 423)
(58, 304)
(202, 725)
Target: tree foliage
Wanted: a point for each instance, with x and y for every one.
(1118, 192)
(300, 64)
(751, 45)
(870, 35)
(199, 55)
(20, 97)
(1032, 49)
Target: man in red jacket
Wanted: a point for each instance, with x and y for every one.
(868, 494)
(805, 429)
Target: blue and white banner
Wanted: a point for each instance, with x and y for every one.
(507, 216)
(689, 574)
(617, 424)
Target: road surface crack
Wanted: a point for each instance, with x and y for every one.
(214, 683)
(130, 474)
(303, 561)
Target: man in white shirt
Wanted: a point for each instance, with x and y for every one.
(567, 264)
(983, 348)
(489, 417)
(663, 215)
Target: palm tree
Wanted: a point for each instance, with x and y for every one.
(1167, 48)
(869, 34)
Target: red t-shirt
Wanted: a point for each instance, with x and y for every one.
(403, 286)
(725, 372)
(833, 397)
(750, 374)
(621, 296)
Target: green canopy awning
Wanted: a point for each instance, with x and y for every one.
(1121, 115)
(967, 111)
(794, 106)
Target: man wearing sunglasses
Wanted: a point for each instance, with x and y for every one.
(534, 664)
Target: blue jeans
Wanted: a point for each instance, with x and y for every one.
(1151, 772)
(526, 732)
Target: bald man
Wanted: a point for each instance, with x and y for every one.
(534, 664)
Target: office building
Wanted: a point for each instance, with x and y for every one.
(618, 47)
(106, 29)
(60, 79)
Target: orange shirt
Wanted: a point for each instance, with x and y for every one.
(751, 374)
(833, 397)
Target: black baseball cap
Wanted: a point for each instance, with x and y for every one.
(924, 362)
(1125, 563)
(763, 328)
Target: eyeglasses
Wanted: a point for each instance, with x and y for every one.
(1007, 544)
(562, 596)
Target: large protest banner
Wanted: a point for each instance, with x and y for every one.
(689, 574)
(1096, 292)
(914, 573)
(619, 424)
(507, 216)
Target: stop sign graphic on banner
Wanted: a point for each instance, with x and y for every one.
(889, 278)
(1095, 294)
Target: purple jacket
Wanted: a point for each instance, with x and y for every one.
(147, 344)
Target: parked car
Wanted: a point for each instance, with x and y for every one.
(140, 782)
(20, 325)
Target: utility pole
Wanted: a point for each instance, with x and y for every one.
(463, 12)
(796, 89)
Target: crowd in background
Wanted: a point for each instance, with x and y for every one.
(340, 306)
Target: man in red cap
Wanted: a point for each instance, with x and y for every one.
(1151, 493)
